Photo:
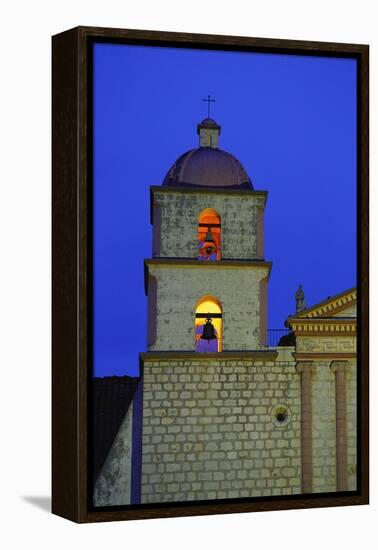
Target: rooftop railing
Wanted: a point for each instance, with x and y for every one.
(273, 339)
(274, 335)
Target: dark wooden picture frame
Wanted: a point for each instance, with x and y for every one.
(72, 277)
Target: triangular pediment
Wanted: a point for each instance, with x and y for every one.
(341, 305)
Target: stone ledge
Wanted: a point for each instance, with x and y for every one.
(324, 356)
(253, 355)
(190, 262)
(194, 263)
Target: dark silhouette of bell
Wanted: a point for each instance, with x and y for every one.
(208, 330)
(209, 236)
(209, 243)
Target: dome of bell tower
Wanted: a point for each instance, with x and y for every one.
(207, 165)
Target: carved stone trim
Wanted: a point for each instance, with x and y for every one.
(304, 357)
(329, 307)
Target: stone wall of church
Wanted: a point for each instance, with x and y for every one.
(177, 223)
(323, 390)
(351, 408)
(180, 288)
(323, 427)
(113, 486)
(210, 429)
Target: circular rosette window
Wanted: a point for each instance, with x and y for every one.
(281, 416)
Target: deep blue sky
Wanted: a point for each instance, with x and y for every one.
(290, 120)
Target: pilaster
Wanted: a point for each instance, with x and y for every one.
(339, 368)
(305, 369)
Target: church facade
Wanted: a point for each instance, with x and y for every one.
(217, 413)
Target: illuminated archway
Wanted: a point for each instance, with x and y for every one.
(208, 307)
(209, 235)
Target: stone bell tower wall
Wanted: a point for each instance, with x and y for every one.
(210, 429)
(175, 220)
(176, 289)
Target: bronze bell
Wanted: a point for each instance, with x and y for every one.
(209, 243)
(209, 236)
(208, 330)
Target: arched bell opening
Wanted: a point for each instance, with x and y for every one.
(208, 325)
(209, 235)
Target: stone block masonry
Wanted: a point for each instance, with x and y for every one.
(351, 404)
(210, 430)
(176, 222)
(323, 428)
(179, 289)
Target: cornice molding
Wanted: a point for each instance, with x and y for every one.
(327, 308)
(190, 262)
(326, 356)
(320, 327)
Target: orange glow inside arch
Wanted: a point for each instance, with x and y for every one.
(209, 220)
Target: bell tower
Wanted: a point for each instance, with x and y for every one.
(210, 382)
(207, 249)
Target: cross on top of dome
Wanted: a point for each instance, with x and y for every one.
(208, 166)
(209, 101)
